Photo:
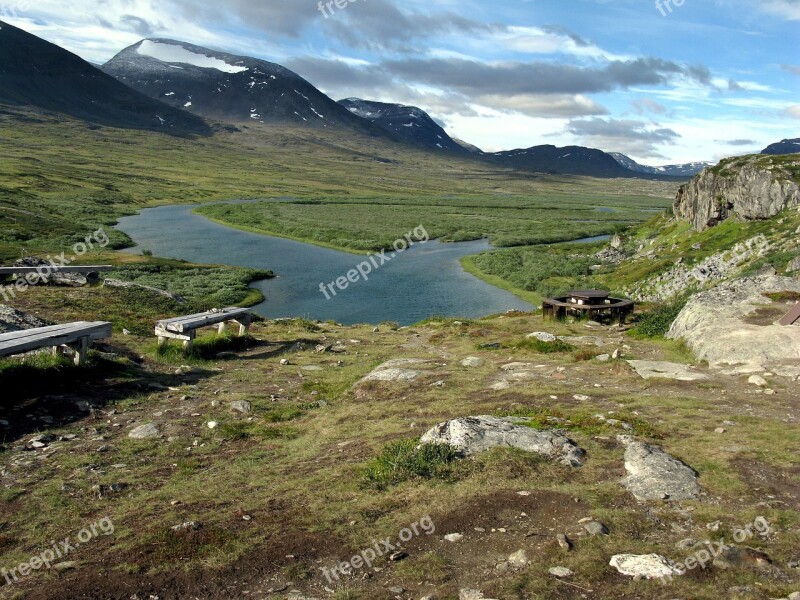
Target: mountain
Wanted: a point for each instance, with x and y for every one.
(226, 87)
(571, 160)
(783, 147)
(684, 170)
(39, 74)
(471, 148)
(406, 123)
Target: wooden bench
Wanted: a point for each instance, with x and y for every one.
(792, 317)
(80, 334)
(185, 328)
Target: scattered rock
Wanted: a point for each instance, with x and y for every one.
(116, 283)
(542, 336)
(145, 432)
(560, 572)
(65, 566)
(648, 369)
(242, 406)
(564, 542)
(655, 475)
(470, 435)
(595, 528)
(757, 380)
(582, 397)
(519, 560)
(396, 590)
(397, 370)
(12, 319)
(188, 526)
(645, 566)
(603, 358)
(212, 424)
(453, 537)
(472, 361)
(397, 556)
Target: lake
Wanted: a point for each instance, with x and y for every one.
(426, 280)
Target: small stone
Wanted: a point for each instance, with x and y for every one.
(523, 493)
(519, 559)
(720, 430)
(144, 432)
(397, 590)
(188, 526)
(65, 566)
(247, 518)
(212, 424)
(617, 354)
(648, 566)
(564, 542)
(397, 556)
(453, 537)
(284, 362)
(794, 596)
(757, 380)
(581, 397)
(560, 572)
(472, 361)
(542, 336)
(241, 406)
(595, 528)
(603, 358)
(125, 332)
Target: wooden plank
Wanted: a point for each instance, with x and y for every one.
(73, 269)
(190, 322)
(19, 342)
(792, 317)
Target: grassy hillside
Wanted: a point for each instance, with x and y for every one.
(61, 179)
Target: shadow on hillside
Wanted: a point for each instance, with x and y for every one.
(44, 397)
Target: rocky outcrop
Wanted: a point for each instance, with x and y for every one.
(756, 187)
(51, 276)
(12, 319)
(682, 278)
(470, 435)
(720, 325)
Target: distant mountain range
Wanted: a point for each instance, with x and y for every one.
(167, 85)
(406, 123)
(226, 87)
(684, 170)
(783, 147)
(36, 73)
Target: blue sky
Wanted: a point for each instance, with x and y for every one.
(696, 80)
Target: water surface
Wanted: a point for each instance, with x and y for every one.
(426, 280)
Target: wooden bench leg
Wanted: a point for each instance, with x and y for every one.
(221, 328)
(244, 326)
(81, 350)
(161, 341)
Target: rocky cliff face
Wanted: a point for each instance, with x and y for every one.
(752, 188)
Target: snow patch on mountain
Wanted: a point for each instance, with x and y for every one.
(172, 53)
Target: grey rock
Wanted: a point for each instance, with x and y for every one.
(396, 590)
(54, 277)
(470, 435)
(65, 566)
(595, 528)
(655, 475)
(12, 319)
(564, 542)
(794, 265)
(398, 370)
(747, 189)
(714, 324)
(652, 369)
(453, 537)
(542, 336)
(519, 560)
(560, 572)
(242, 406)
(644, 566)
(472, 361)
(188, 526)
(144, 432)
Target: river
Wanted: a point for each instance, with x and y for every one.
(426, 280)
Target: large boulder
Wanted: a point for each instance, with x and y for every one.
(655, 475)
(51, 276)
(755, 187)
(719, 327)
(470, 435)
